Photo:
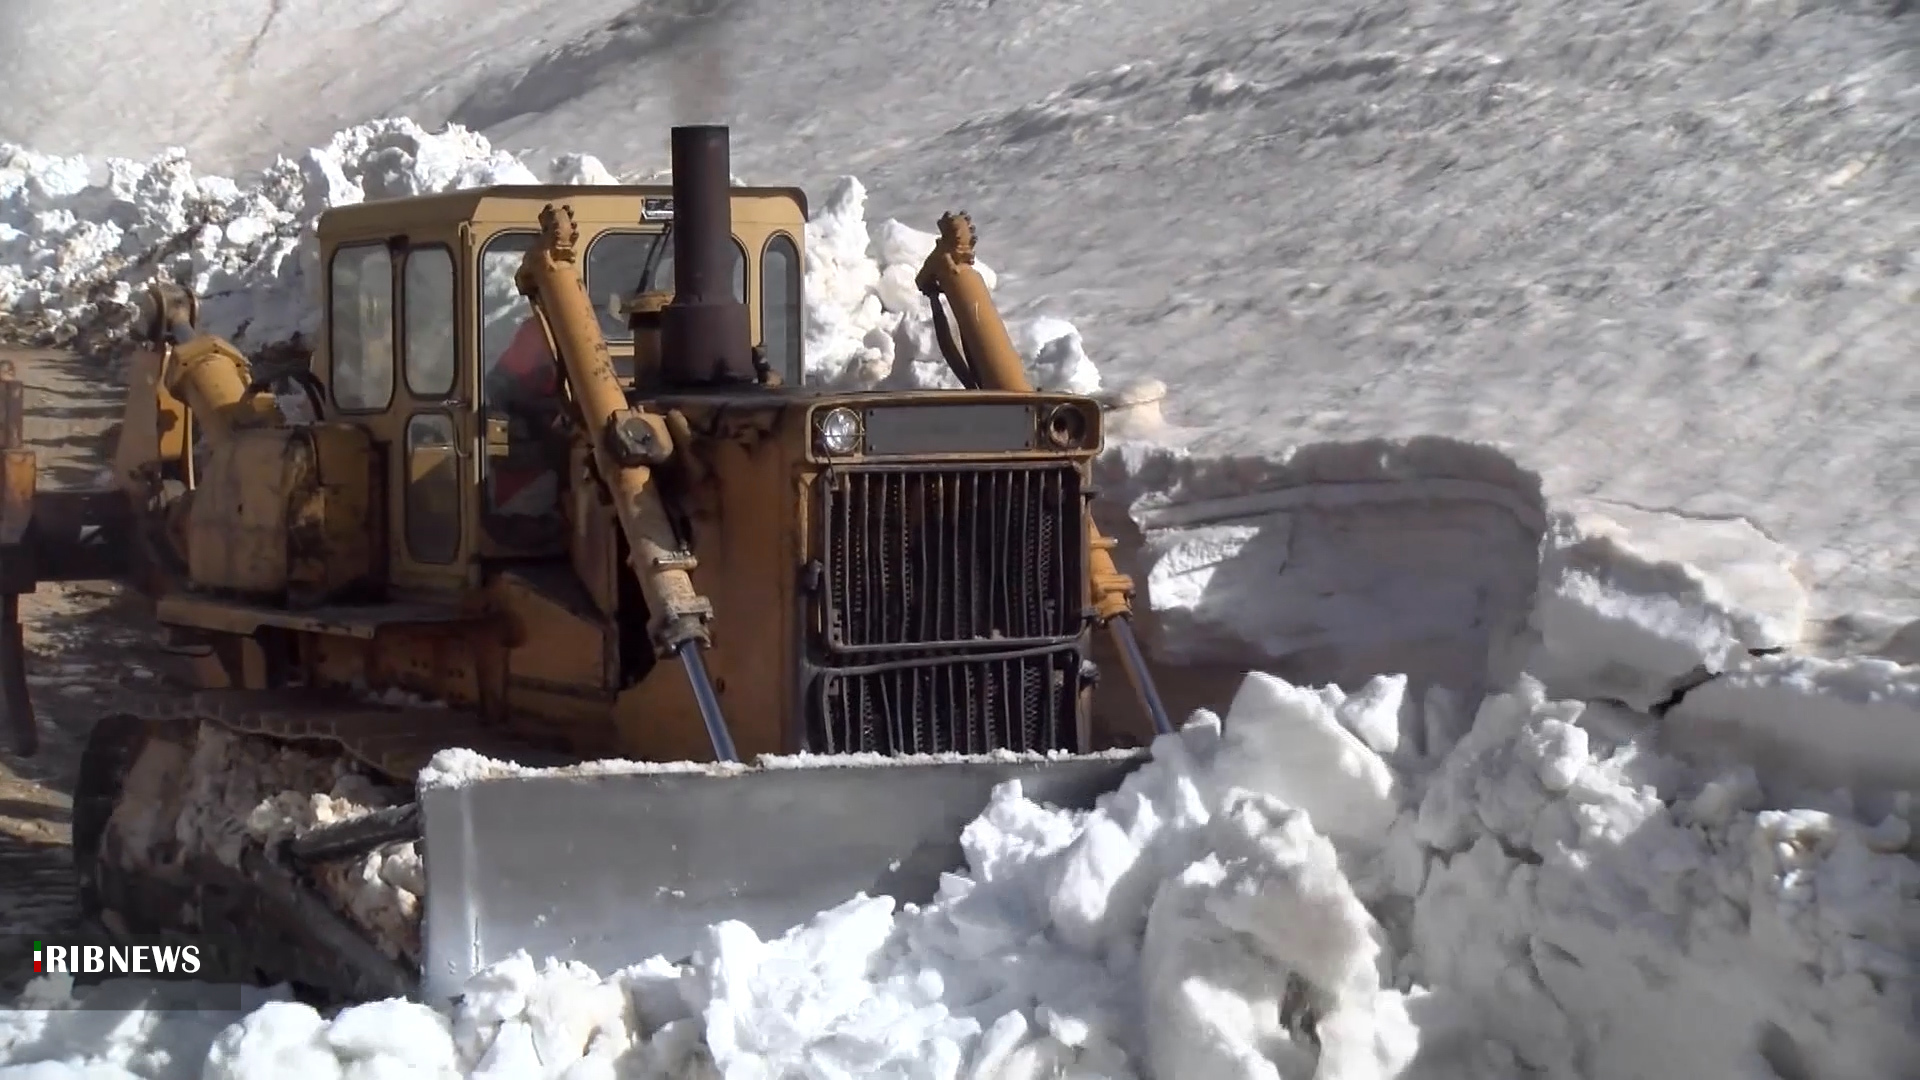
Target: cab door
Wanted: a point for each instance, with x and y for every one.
(522, 454)
(434, 512)
(394, 349)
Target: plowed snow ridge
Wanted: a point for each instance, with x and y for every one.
(1588, 873)
(75, 247)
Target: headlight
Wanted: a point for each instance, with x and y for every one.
(1065, 427)
(839, 431)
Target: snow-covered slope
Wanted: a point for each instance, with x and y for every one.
(1665, 250)
(1688, 852)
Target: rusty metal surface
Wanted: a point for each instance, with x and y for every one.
(13, 408)
(16, 706)
(360, 621)
(19, 570)
(82, 535)
(395, 741)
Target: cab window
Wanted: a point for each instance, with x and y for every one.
(615, 261)
(780, 321)
(360, 326)
(520, 396)
(433, 489)
(502, 308)
(430, 355)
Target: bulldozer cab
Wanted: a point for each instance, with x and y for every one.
(429, 344)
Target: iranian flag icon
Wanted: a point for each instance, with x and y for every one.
(39, 967)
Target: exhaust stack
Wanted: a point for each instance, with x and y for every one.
(705, 337)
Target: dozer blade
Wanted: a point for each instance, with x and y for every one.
(611, 868)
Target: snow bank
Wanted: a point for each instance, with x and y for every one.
(78, 241)
(868, 325)
(130, 1028)
(1334, 561)
(1851, 724)
(1611, 911)
(1440, 559)
(1633, 604)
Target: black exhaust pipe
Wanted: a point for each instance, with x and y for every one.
(705, 336)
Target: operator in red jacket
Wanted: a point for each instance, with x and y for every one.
(524, 383)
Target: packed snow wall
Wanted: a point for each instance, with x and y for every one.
(78, 239)
(1679, 845)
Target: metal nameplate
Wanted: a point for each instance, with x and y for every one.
(656, 208)
(978, 428)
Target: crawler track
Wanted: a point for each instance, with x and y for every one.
(271, 829)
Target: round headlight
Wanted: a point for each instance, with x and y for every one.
(839, 431)
(1066, 427)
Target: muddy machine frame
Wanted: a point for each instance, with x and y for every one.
(817, 628)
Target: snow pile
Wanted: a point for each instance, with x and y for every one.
(1332, 562)
(77, 242)
(130, 1028)
(868, 324)
(1610, 911)
(1329, 885)
(1633, 604)
(1845, 723)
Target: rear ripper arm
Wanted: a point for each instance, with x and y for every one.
(984, 359)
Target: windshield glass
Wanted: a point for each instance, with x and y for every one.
(615, 262)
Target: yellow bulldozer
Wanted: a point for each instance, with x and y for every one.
(551, 569)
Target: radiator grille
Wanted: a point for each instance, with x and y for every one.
(952, 605)
(952, 556)
(951, 705)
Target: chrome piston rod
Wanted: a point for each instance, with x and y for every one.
(717, 733)
(1137, 674)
